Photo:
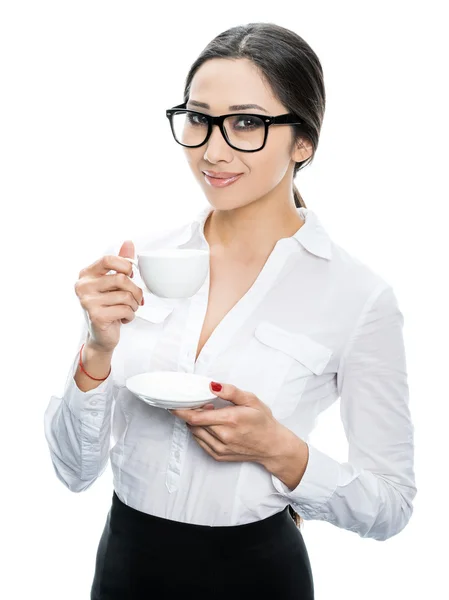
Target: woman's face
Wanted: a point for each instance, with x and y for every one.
(221, 83)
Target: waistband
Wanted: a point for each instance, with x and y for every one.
(144, 524)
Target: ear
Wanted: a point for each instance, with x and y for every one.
(301, 150)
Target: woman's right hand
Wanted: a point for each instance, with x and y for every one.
(109, 300)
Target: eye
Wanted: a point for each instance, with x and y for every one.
(194, 119)
(246, 123)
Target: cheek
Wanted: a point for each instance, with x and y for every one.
(193, 157)
(268, 169)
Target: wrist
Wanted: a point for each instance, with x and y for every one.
(290, 460)
(96, 361)
(92, 349)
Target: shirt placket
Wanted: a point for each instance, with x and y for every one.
(186, 363)
(219, 338)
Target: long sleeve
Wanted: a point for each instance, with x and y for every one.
(78, 428)
(371, 494)
(78, 424)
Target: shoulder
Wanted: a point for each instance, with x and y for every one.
(356, 276)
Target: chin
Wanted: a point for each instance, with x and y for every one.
(229, 204)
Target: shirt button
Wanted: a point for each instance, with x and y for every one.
(94, 414)
(93, 402)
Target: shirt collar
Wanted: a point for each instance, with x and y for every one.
(312, 235)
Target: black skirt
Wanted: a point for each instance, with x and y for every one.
(141, 556)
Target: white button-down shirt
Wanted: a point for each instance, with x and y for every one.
(316, 325)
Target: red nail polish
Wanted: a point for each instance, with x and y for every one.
(216, 386)
(143, 301)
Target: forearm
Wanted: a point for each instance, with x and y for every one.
(349, 496)
(78, 428)
(290, 457)
(79, 450)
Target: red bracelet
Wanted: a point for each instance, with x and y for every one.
(84, 370)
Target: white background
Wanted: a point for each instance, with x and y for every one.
(87, 158)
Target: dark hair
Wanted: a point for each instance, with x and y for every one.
(291, 68)
(293, 71)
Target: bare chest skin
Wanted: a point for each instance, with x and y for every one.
(230, 279)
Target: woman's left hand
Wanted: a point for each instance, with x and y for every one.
(246, 431)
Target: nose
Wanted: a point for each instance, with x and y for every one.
(217, 147)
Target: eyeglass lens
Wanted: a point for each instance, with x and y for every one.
(245, 132)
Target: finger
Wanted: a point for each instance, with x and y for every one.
(216, 431)
(116, 298)
(214, 455)
(233, 394)
(219, 416)
(108, 262)
(120, 281)
(184, 413)
(216, 445)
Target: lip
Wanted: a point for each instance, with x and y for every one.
(220, 182)
(221, 175)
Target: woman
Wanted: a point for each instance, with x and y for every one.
(286, 323)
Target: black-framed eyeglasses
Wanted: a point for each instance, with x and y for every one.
(245, 132)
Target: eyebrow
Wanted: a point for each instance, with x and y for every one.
(233, 107)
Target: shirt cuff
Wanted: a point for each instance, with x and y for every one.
(79, 402)
(317, 485)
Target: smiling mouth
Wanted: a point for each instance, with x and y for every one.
(221, 175)
(218, 182)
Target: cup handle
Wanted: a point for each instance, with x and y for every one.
(131, 260)
(134, 262)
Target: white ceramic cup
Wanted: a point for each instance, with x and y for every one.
(173, 272)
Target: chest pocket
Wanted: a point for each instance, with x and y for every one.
(276, 366)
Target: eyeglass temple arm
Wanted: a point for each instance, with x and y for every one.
(285, 120)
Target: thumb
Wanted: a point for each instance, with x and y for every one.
(127, 249)
(233, 394)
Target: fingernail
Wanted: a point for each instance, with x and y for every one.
(132, 274)
(143, 301)
(216, 386)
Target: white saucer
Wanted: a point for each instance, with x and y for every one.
(174, 405)
(171, 389)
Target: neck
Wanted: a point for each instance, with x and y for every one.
(251, 230)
